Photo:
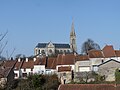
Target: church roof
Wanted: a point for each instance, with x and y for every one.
(43, 45)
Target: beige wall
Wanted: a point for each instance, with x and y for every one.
(108, 69)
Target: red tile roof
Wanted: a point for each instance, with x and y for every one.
(28, 65)
(64, 69)
(43, 61)
(82, 58)
(18, 64)
(117, 52)
(95, 54)
(4, 72)
(108, 51)
(59, 58)
(51, 63)
(40, 61)
(89, 87)
(9, 63)
(67, 59)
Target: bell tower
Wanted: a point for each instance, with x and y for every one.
(73, 45)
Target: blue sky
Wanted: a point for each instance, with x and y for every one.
(32, 21)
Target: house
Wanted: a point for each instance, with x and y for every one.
(82, 63)
(17, 68)
(108, 69)
(7, 72)
(96, 57)
(89, 87)
(50, 66)
(39, 65)
(27, 67)
(65, 66)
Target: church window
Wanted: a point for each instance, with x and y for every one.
(60, 51)
(68, 51)
(43, 52)
(38, 51)
(50, 51)
(73, 41)
(64, 51)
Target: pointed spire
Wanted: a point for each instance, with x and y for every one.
(72, 29)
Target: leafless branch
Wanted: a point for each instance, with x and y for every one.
(3, 36)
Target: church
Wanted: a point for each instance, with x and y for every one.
(51, 48)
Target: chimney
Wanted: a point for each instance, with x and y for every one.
(19, 59)
(75, 54)
(46, 64)
(34, 59)
(26, 59)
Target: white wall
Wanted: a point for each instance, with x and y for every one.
(28, 70)
(81, 63)
(16, 72)
(39, 69)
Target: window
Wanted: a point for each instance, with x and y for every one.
(24, 74)
(64, 51)
(73, 41)
(43, 52)
(102, 61)
(68, 51)
(60, 51)
(31, 69)
(16, 75)
(50, 51)
(38, 51)
(24, 69)
(64, 74)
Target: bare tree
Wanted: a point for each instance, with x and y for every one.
(89, 45)
(2, 45)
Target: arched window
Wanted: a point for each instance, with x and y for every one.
(61, 51)
(68, 51)
(50, 51)
(43, 52)
(64, 51)
(38, 51)
(73, 41)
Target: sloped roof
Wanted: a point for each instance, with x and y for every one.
(117, 52)
(89, 87)
(29, 64)
(64, 69)
(18, 64)
(43, 45)
(9, 63)
(51, 63)
(108, 51)
(108, 61)
(82, 58)
(67, 59)
(95, 54)
(40, 61)
(4, 72)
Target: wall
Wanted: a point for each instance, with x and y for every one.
(39, 69)
(108, 70)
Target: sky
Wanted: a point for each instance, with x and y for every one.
(30, 22)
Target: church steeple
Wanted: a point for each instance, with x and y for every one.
(72, 30)
(73, 45)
